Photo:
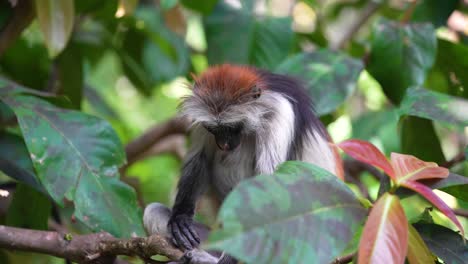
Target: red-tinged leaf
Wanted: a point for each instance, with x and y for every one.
(385, 235)
(367, 153)
(410, 168)
(418, 252)
(427, 193)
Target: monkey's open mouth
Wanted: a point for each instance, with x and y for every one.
(227, 143)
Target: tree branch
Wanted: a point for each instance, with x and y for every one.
(154, 135)
(368, 11)
(92, 248)
(460, 157)
(344, 259)
(461, 212)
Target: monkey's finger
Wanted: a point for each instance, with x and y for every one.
(180, 238)
(194, 233)
(185, 228)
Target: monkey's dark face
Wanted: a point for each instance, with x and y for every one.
(227, 136)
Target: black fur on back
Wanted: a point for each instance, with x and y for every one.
(296, 93)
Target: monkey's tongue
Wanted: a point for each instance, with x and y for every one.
(223, 145)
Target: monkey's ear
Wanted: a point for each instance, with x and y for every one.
(256, 92)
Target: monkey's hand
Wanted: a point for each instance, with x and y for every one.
(183, 233)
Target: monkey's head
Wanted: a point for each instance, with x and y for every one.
(227, 101)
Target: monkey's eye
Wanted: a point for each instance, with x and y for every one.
(256, 92)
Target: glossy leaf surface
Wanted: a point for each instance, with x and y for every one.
(435, 106)
(263, 42)
(366, 152)
(427, 193)
(408, 51)
(410, 168)
(385, 235)
(444, 242)
(418, 253)
(15, 161)
(76, 157)
(330, 77)
(276, 218)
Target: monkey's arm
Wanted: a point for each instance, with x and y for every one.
(192, 184)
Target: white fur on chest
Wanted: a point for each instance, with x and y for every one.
(232, 167)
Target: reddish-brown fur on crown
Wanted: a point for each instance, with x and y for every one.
(227, 81)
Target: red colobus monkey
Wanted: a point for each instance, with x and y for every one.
(246, 121)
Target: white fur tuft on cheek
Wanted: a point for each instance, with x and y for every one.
(276, 134)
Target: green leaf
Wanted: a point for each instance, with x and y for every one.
(329, 76)
(435, 106)
(450, 69)
(381, 125)
(418, 253)
(263, 42)
(15, 161)
(151, 53)
(204, 7)
(444, 242)
(401, 56)
(76, 157)
(16, 63)
(435, 11)
(71, 75)
(56, 21)
(29, 209)
(425, 146)
(276, 218)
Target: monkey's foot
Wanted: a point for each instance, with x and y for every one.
(183, 233)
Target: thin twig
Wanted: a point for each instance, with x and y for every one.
(144, 142)
(370, 9)
(461, 212)
(344, 259)
(460, 157)
(409, 12)
(91, 248)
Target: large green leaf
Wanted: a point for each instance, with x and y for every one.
(425, 146)
(15, 161)
(329, 76)
(29, 208)
(16, 63)
(151, 53)
(401, 55)
(300, 214)
(76, 157)
(449, 71)
(444, 242)
(71, 74)
(381, 125)
(435, 11)
(237, 36)
(435, 106)
(56, 20)
(205, 7)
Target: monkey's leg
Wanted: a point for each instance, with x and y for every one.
(155, 220)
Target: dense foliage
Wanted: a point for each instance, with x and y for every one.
(80, 79)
